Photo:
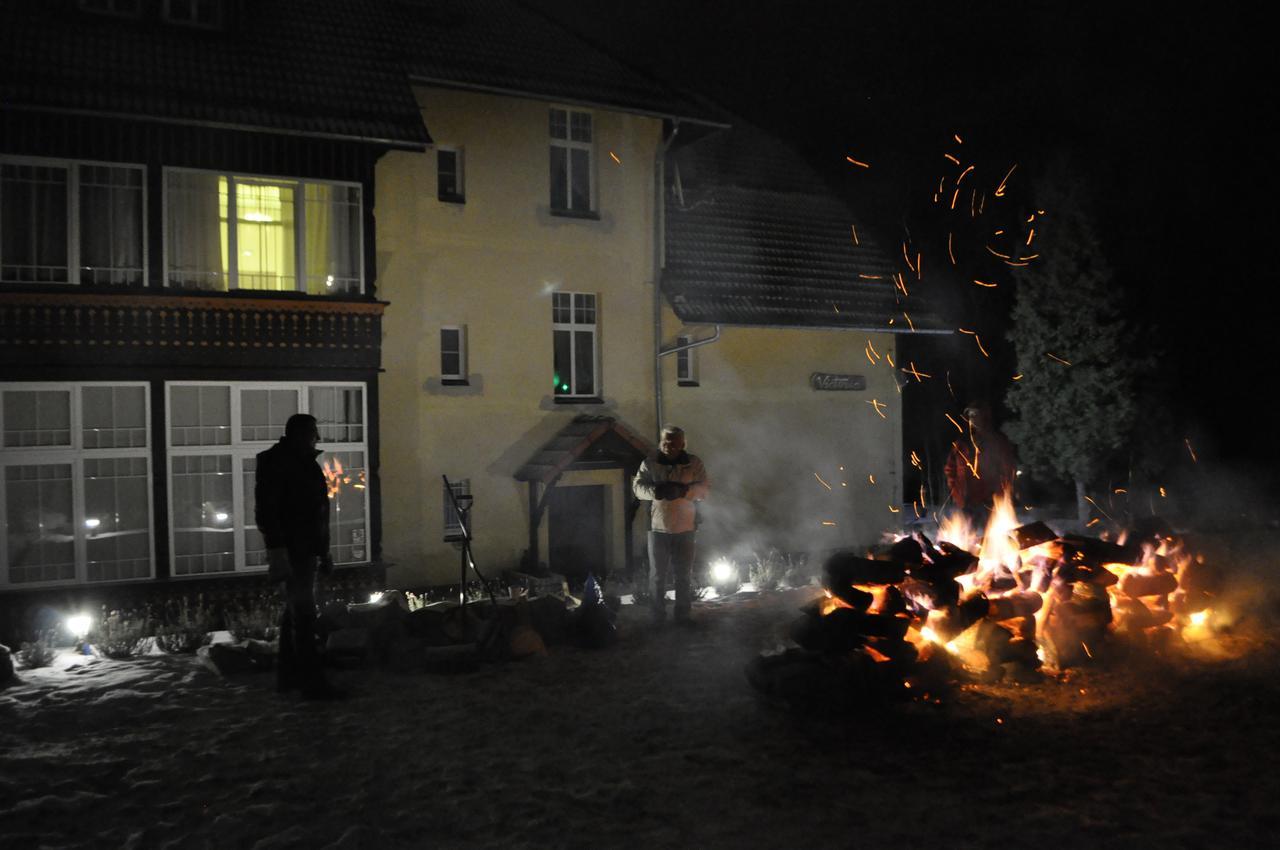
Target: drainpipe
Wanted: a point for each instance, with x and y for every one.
(659, 262)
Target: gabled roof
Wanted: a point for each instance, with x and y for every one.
(311, 67)
(573, 441)
(504, 47)
(755, 237)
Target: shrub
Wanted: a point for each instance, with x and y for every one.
(37, 653)
(120, 634)
(257, 618)
(185, 627)
(768, 572)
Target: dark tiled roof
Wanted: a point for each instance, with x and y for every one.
(571, 441)
(757, 238)
(317, 67)
(503, 46)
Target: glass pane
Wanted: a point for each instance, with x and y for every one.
(37, 418)
(559, 178)
(580, 126)
(332, 239)
(580, 185)
(33, 211)
(339, 413)
(40, 538)
(113, 417)
(563, 363)
(584, 309)
(447, 173)
(255, 547)
(117, 522)
(196, 230)
(559, 122)
(203, 514)
(560, 307)
(584, 362)
(110, 225)
(348, 529)
(263, 413)
(200, 416)
(266, 245)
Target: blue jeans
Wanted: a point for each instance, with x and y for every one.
(671, 561)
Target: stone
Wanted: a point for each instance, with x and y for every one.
(349, 647)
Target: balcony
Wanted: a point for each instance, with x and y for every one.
(138, 328)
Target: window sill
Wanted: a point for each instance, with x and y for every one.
(579, 399)
(452, 199)
(454, 382)
(586, 215)
(687, 383)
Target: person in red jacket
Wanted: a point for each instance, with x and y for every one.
(980, 467)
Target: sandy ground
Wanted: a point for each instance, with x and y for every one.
(657, 742)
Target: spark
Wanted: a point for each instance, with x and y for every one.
(950, 253)
(854, 229)
(1163, 494)
(1059, 359)
(614, 157)
(1031, 235)
(1000, 189)
(870, 351)
(1086, 649)
(835, 307)
(955, 423)
(894, 510)
(1091, 523)
(1121, 490)
(888, 356)
(916, 373)
(820, 481)
(878, 405)
(1194, 459)
(999, 232)
(919, 266)
(1018, 377)
(955, 195)
(952, 158)
(959, 140)
(827, 522)
(976, 339)
(941, 180)
(984, 283)
(870, 276)
(963, 173)
(855, 162)
(950, 389)
(1028, 258)
(1099, 507)
(915, 506)
(999, 721)
(915, 461)
(973, 204)
(998, 254)
(910, 324)
(906, 257)
(871, 477)
(1031, 218)
(844, 483)
(902, 285)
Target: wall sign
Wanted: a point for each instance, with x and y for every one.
(829, 381)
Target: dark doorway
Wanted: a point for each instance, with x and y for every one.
(576, 531)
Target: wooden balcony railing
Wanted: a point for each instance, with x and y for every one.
(71, 328)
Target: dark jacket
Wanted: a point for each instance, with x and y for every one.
(291, 500)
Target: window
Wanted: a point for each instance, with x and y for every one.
(573, 318)
(452, 522)
(125, 8)
(571, 161)
(449, 175)
(453, 354)
(75, 483)
(289, 235)
(215, 431)
(71, 222)
(686, 364)
(194, 13)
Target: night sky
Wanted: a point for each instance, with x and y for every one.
(1166, 112)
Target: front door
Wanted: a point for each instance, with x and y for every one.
(576, 531)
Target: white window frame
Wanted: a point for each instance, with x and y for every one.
(686, 363)
(569, 145)
(459, 176)
(574, 328)
(75, 455)
(452, 522)
(72, 167)
(299, 224)
(240, 449)
(461, 374)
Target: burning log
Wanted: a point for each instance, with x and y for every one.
(1033, 534)
(955, 559)
(908, 550)
(1135, 616)
(843, 569)
(1137, 583)
(858, 600)
(1096, 574)
(931, 596)
(1021, 604)
(955, 620)
(1095, 552)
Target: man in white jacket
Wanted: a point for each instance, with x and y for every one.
(673, 480)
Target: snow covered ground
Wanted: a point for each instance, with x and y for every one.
(657, 742)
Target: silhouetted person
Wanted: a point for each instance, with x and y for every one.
(980, 467)
(291, 507)
(673, 480)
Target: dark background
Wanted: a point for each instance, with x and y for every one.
(1168, 114)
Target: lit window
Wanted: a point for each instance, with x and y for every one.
(453, 354)
(574, 327)
(71, 222)
(572, 152)
(449, 175)
(289, 235)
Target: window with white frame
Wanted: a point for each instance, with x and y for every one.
(194, 13)
(75, 494)
(453, 353)
(574, 332)
(456, 488)
(572, 160)
(215, 431)
(686, 364)
(72, 222)
(449, 186)
(288, 235)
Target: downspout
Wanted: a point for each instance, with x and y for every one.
(659, 263)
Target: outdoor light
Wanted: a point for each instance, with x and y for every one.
(79, 625)
(92, 522)
(375, 596)
(722, 571)
(220, 516)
